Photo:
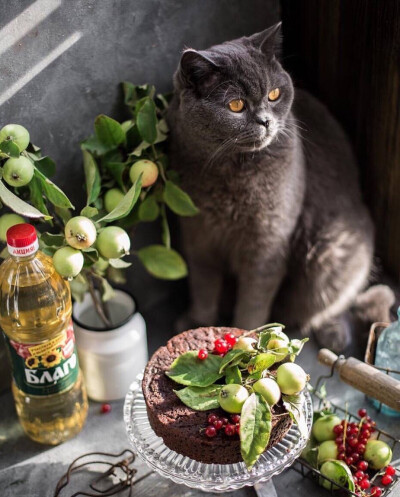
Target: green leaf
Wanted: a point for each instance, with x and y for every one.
(108, 132)
(79, 287)
(129, 90)
(295, 347)
(188, 369)
(261, 362)
(52, 240)
(133, 138)
(64, 214)
(255, 429)
(200, 398)
(116, 170)
(233, 375)
(125, 206)
(146, 119)
(119, 263)
(274, 331)
(179, 201)
(19, 206)
(46, 166)
(294, 406)
(36, 196)
(148, 209)
(232, 358)
(92, 177)
(94, 146)
(310, 452)
(163, 262)
(107, 290)
(89, 211)
(55, 195)
(165, 233)
(10, 148)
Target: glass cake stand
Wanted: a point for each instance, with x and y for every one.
(216, 478)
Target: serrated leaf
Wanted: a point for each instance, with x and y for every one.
(146, 119)
(10, 148)
(124, 207)
(54, 194)
(162, 262)
(119, 263)
(188, 369)
(232, 358)
(294, 406)
(149, 209)
(19, 206)
(178, 200)
(261, 362)
(52, 240)
(233, 375)
(92, 177)
(200, 398)
(255, 429)
(108, 131)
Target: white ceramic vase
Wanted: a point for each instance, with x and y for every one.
(110, 359)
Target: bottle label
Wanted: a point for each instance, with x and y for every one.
(47, 367)
(24, 251)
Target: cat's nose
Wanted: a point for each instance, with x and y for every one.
(263, 122)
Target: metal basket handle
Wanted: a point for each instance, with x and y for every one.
(364, 377)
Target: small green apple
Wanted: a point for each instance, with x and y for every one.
(232, 397)
(80, 232)
(68, 262)
(323, 428)
(6, 222)
(112, 198)
(291, 378)
(149, 170)
(16, 133)
(279, 347)
(18, 171)
(113, 242)
(245, 343)
(327, 450)
(269, 389)
(378, 454)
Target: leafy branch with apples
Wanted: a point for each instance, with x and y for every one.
(128, 182)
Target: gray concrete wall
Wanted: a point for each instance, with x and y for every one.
(61, 61)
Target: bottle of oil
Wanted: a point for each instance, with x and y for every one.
(35, 316)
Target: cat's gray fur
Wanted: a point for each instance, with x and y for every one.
(281, 207)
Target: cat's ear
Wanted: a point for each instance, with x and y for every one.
(269, 41)
(197, 69)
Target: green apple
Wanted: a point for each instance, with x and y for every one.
(378, 454)
(113, 242)
(279, 347)
(16, 133)
(112, 198)
(245, 343)
(323, 428)
(68, 262)
(18, 171)
(232, 397)
(149, 170)
(269, 389)
(338, 472)
(291, 378)
(80, 232)
(6, 222)
(327, 450)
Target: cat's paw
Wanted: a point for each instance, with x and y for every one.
(336, 335)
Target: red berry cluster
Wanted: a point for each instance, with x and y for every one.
(351, 440)
(215, 424)
(221, 346)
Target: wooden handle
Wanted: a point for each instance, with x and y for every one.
(365, 378)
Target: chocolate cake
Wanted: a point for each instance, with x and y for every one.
(180, 426)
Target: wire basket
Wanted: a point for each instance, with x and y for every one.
(308, 471)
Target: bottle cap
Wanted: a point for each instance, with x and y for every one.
(22, 240)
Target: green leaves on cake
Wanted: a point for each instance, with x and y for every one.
(250, 377)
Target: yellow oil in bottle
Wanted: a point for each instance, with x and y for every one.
(35, 316)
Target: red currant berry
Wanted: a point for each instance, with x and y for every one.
(352, 441)
(390, 471)
(218, 424)
(363, 441)
(225, 421)
(230, 338)
(361, 448)
(341, 448)
(376, 492)
(348, 429)
(339, 440)
(353, 424)
(364, 484)
(349, 450)
(211, 431)
(355, 456)
(105, 408)
(366, 434)
(349, 461)
(202, 354)
(354, 430)
(230, 430)
(338, 429)
(366, 426)
(359, 474)
(235, 418)
(221, 347)
(238, 429)
(362, 413)
(369, 419)
(211, 418)
(386, 480)
(362, 465)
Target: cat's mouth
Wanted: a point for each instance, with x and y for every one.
(256, 145)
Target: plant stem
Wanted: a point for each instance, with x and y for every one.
(98, 304)
(160, 166)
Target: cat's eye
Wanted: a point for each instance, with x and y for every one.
(274, 94)
(236, 105)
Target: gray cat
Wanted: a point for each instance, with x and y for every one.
(276, 182)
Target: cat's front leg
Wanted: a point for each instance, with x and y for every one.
(257, 288)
